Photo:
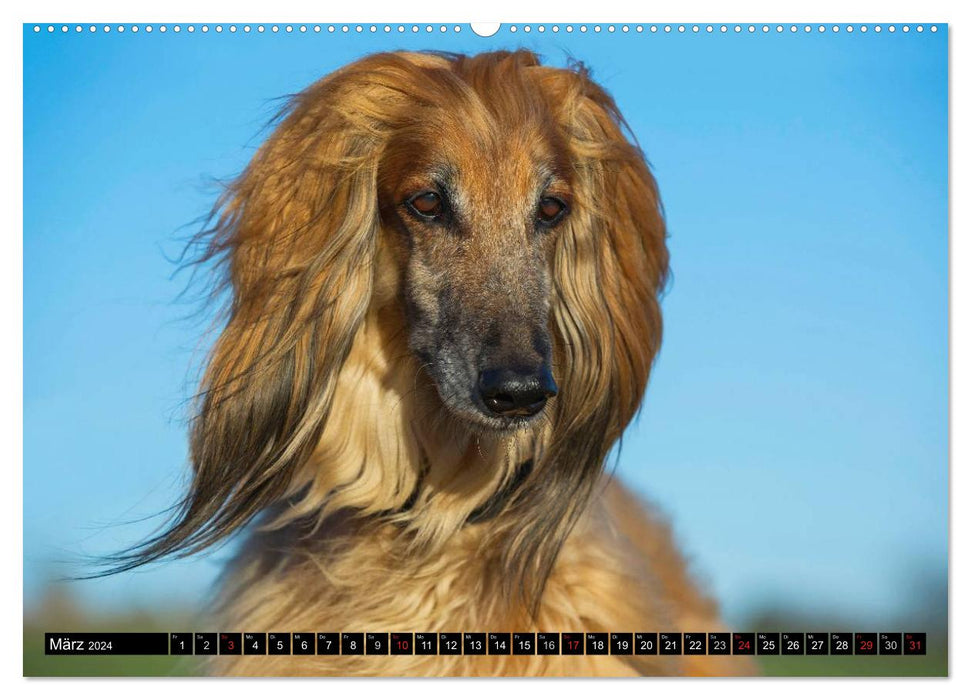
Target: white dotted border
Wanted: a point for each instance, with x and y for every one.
(512, 28)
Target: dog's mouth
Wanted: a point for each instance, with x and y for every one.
(483, 421)
(509, 423)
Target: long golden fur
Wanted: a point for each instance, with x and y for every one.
(414, 220)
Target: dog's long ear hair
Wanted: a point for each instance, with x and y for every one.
(611, 263)
(295, 235)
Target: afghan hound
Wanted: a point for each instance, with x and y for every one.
(443, 274)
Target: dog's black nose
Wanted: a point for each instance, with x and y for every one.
(509, 391)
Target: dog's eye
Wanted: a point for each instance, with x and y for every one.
(550, 210)
(427, 205)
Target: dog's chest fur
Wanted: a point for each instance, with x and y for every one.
(617, 572)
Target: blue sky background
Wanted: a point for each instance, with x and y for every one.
(795, 429)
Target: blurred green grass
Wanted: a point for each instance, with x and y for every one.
(59, 613)
(930, 616)
(934, 664)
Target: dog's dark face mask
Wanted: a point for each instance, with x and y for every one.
(476, 216)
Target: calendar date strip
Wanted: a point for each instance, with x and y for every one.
(486, 643)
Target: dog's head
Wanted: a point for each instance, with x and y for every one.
(475, 192)
(477, 186)
(493, 209)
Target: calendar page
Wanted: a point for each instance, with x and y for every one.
(516, 349)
